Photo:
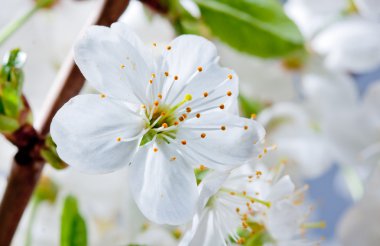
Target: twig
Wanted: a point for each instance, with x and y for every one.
(28, 164)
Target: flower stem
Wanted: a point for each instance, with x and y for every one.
(12, 27)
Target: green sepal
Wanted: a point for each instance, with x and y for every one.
(50, 155)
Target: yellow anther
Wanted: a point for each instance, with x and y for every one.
(253, 116)
(188, 97)
(232, 193)
(159, 95)
(143, 106)
(176, 123)
(173, 158)
(164, 125)
(229, 76)
(259, 173)
(198, 115)
(175, 77)
(260, 156)
(244, 224)
(237, 210)
(168, 47)
(183, 142)
(154, 44)
(188, 109)
(202, 167)
(166, 74)
(203, 135)
(153, 75)
(245, 127)
(102, 96)
(122, 66)
(229, 93)
(200, 69)
(221, 106)
(163, 113)
(223, 128)
(118, 139)
(181, 118)
(265, 150)
(155, 149)
(151, 81)
(205, 94)
(244, 193)
(156, 103)
(184, 116)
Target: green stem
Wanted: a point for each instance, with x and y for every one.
(33, 213)
(12, 27)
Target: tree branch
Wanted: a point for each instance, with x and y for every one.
(28, 164)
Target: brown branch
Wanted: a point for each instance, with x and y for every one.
(159, 6)
(28, 164)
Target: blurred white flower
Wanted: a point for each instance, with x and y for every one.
(258, 204)
(351, 45)
(156, 116)
(359, 224)
(369, 8)
(311, 16)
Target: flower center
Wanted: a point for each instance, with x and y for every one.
(162, 122)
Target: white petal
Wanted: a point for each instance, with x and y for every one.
(86, 129)
(281, 189)
(112, 63)
(369, 8)
(210, 185)
(187, 54)
(220, 149)
(351, 45)
(164, 189)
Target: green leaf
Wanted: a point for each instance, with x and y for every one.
(256, 27)
(7, 124)
(249, 106)
(73, 226)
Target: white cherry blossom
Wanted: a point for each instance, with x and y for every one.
(250, 205)
(161, 116)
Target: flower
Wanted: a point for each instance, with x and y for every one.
(251, 206)
(163, 116)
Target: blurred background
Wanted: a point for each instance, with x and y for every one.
(312, 78)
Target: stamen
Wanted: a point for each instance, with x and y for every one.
(188, 109)
(203, 135)
(223, 128)
(183, 142)
(168, 47)
(221, 106)
(118, 139)
(166, 74)
(253, 116)
(229, 93)
(246, 127)
(200, 69)
(198, 115)
(229, 76)
(173, 158)
(205, 94)
(175, 77)
(102, 96)
(122, 66)
(154, 44)
(153, 75)
(155, 150)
